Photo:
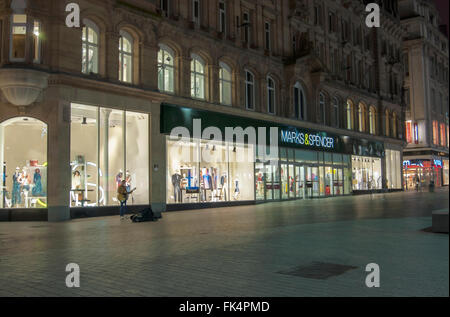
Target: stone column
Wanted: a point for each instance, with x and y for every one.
(158, 164)
(104, 155)
(184, 63)
(59, 173)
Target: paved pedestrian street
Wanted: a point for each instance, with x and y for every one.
(315, 247)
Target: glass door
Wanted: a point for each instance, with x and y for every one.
(329, 184)
(292, 182)
(300, 181)
(284, 181)
(338, 182)
(259, 181)
(269, 181)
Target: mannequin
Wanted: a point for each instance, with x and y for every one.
(37, 189)
(176, 183)
(237, 191)
(16, 198)
(224, 185)
(25, 182)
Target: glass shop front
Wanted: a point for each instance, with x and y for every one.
(309, 164)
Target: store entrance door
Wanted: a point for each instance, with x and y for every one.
(300, 181)
(312, 181)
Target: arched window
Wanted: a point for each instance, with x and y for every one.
(322, 114)
(372, 120)
(26, 166)
(225, 84)
(125, 57)
(336, 121)
(89, 54)
(299, 102)
(165, 69)
(197, 77)
(394, 125)
(386, 123)
(249, 90)
(37, 42)
(349, 114)
(271, 95)
(361, 117)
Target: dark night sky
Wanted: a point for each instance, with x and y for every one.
(442, 6)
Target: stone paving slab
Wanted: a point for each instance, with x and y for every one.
(236, 251)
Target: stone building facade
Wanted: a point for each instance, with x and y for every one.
(93, 105)
(425, 54)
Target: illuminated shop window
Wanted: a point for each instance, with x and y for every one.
(366, 173)
(202, 171)
(24, 170)
(106, 147)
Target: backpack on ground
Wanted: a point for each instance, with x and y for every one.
(145, 215)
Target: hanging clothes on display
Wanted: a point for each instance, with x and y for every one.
(37, 180)
(16, 198)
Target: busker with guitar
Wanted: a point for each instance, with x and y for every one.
(122, 196)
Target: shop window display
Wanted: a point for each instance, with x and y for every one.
(393, 169)
(108, 146)
(202, 171)
(366, 173)
(24, 173)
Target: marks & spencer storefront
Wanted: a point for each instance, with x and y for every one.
(303, 163)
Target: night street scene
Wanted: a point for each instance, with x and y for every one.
(223, 156)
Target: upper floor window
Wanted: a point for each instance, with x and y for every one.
(125, 57)
(336, 122)
(164, 7)
(246, 27)
(372, 120)
(18, 37)
(267, 36)
(196, 11)
(349, 114)
(322, 113)
(37, 42)
(387, 128)
(165, 69)
(271, 96)
(249, 90)
(197, 77)
(89, 55)
(361, 118)
(222, 17)
(299, 102)
(394, 125)
(225, 84)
